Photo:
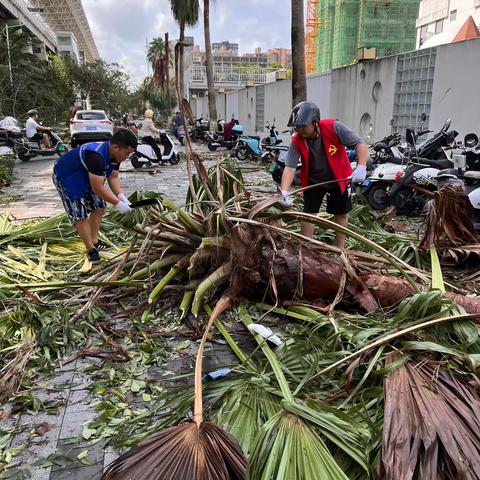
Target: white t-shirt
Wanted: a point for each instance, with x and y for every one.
(31, 127)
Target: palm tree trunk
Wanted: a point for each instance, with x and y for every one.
(181, 60)
(299, 80)
(212, 107)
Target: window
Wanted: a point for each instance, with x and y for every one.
(453, 15)
(64, 40)
(91, 116)
(439, 26)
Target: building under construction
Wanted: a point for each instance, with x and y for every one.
(336, 29)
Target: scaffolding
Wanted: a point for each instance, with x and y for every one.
(347, 25)
(311, 36)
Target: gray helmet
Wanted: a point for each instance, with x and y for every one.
(32, 112)
(304, 113)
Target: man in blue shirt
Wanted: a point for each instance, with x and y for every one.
(79, 177)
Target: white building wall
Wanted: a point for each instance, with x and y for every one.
(443, 19)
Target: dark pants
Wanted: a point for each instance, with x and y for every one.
(151, 141)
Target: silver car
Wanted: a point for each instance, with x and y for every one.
(90, 126)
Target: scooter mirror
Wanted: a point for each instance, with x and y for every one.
(410, 136)
(471, 140)
(447, 124)
(423, 117)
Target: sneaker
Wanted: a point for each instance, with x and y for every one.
(101, 245)
(93, 255)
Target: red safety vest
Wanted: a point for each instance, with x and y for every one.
(334, 149)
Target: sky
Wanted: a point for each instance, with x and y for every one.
(121, 28)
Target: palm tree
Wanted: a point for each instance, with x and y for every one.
(299, 80)
(212, 107)
(185, 13)
(156, 56)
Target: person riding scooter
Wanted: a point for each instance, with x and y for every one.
(148, 132)
(33, 129)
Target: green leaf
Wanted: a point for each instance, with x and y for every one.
(82, 454)
(437, 277)
(183, 345)
(146, 397)
(87, 433)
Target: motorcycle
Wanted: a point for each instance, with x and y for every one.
(144, 156)
(250, 146)
(198, 131)
(272, 138)
(277, 166)
(10, 130)
(217, 140)
(180, 134)
(426, 160)
(26, 149)
(386, 161)
(467, 171)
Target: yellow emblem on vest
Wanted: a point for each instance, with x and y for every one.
(332, 149)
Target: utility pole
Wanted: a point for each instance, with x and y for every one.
(167, 67)
(8, 55)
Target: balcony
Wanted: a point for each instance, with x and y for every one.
(227, 76)
(33, 22)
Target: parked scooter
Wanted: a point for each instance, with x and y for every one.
(466, 170)
(10, 130)
(272, 138)
(277, 167)
(426, 161)
(26, 149)
(385, 162)
(198, 131)
(144, 156)
(217, 140)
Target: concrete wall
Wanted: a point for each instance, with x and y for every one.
(455, 88)
(247, 99)
(362, 97)
(278, 99)
(319, 87)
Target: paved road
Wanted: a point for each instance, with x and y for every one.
(37, 197)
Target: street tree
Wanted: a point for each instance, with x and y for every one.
(212, 106)
(299, 80)
(185, 13)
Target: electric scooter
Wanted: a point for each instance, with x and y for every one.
(26, 149)
(144, 156)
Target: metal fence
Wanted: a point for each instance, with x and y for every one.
(227, 75)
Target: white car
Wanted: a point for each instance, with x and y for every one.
(90, 126)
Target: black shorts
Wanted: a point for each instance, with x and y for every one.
(81, 208)
(338, 203)
(38, 137)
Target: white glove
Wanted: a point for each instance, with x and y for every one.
(123, 198)
(122, 207)
(359, 174)
(285, 198)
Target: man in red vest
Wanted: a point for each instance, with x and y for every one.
(320, 145)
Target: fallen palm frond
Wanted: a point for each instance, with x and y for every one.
(287, 446)
(338, 314)
(449, 224)
(432, 424)
(193, 451)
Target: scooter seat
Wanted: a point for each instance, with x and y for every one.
(254, 137)
(472, 174)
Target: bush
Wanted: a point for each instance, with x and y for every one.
(7, 162)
